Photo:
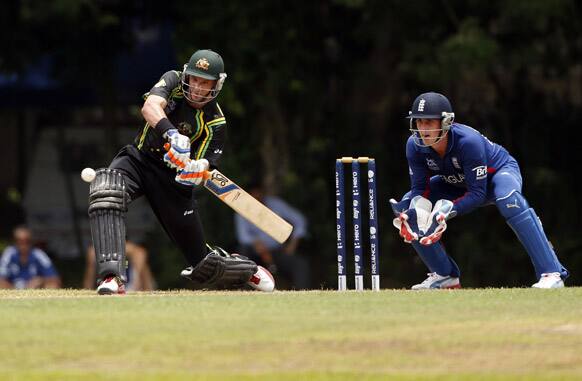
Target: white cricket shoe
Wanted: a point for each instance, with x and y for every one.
(262, 280)
(111, 285)
(436, 281)
(549, 280)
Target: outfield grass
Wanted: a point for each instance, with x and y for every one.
(486, 334)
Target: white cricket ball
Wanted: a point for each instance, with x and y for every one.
(88, 174)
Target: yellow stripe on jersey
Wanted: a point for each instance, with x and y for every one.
(199, 125)
(217, 122)
(209, 129)
(144, 132)
(205, 143)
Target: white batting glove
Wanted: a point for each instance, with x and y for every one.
(193, 172)
(443, 209)
(178, 151)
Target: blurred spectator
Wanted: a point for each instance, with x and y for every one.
(139, 275)
(24, 266)
(280, 259)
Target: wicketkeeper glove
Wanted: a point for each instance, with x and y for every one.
(443, 210)
(412, 223)
(193, 173)
(406, 225)
(179, 149)
(399, 206)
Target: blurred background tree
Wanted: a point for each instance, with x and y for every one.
(309, 81)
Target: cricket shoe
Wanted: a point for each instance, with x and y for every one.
(436, 281)
(111, 285)
(549, 280)
(262, 280)
(187, 273)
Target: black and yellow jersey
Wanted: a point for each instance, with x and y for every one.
(206, 126)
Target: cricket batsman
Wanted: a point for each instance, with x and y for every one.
(183, 136)
(453, 170)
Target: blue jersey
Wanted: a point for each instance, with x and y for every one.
(469, 163)
(19, 274)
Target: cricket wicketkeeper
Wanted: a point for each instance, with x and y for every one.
(457, 169)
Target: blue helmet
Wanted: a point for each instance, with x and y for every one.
(431, 106)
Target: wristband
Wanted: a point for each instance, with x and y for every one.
(163, 126)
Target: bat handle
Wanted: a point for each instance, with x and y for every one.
(206, 174)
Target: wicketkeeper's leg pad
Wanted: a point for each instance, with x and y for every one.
(222, 270)
(108, 201)
(512, 204)
(528, 228)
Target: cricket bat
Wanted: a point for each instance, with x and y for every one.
(247, 206)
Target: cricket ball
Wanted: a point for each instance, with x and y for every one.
(88, 174)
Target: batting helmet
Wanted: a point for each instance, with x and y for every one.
(205, 64)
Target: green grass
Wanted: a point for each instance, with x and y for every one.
(485, 334)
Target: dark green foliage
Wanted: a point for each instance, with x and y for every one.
(309, 81)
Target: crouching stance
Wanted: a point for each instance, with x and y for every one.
(454, 170)
(183, 136)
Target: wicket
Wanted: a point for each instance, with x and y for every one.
(357, 222)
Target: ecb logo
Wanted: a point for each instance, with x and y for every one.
(421, 105)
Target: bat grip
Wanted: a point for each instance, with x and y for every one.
(206, 174)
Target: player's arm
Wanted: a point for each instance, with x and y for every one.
(475, 169)
(156, 100)
(418, 171)
(153, 109)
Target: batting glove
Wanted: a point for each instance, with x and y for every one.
(178, 151)
(193, 172)
(443, 210)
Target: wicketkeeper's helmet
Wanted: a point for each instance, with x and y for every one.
(431, 106)
(205, 64)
